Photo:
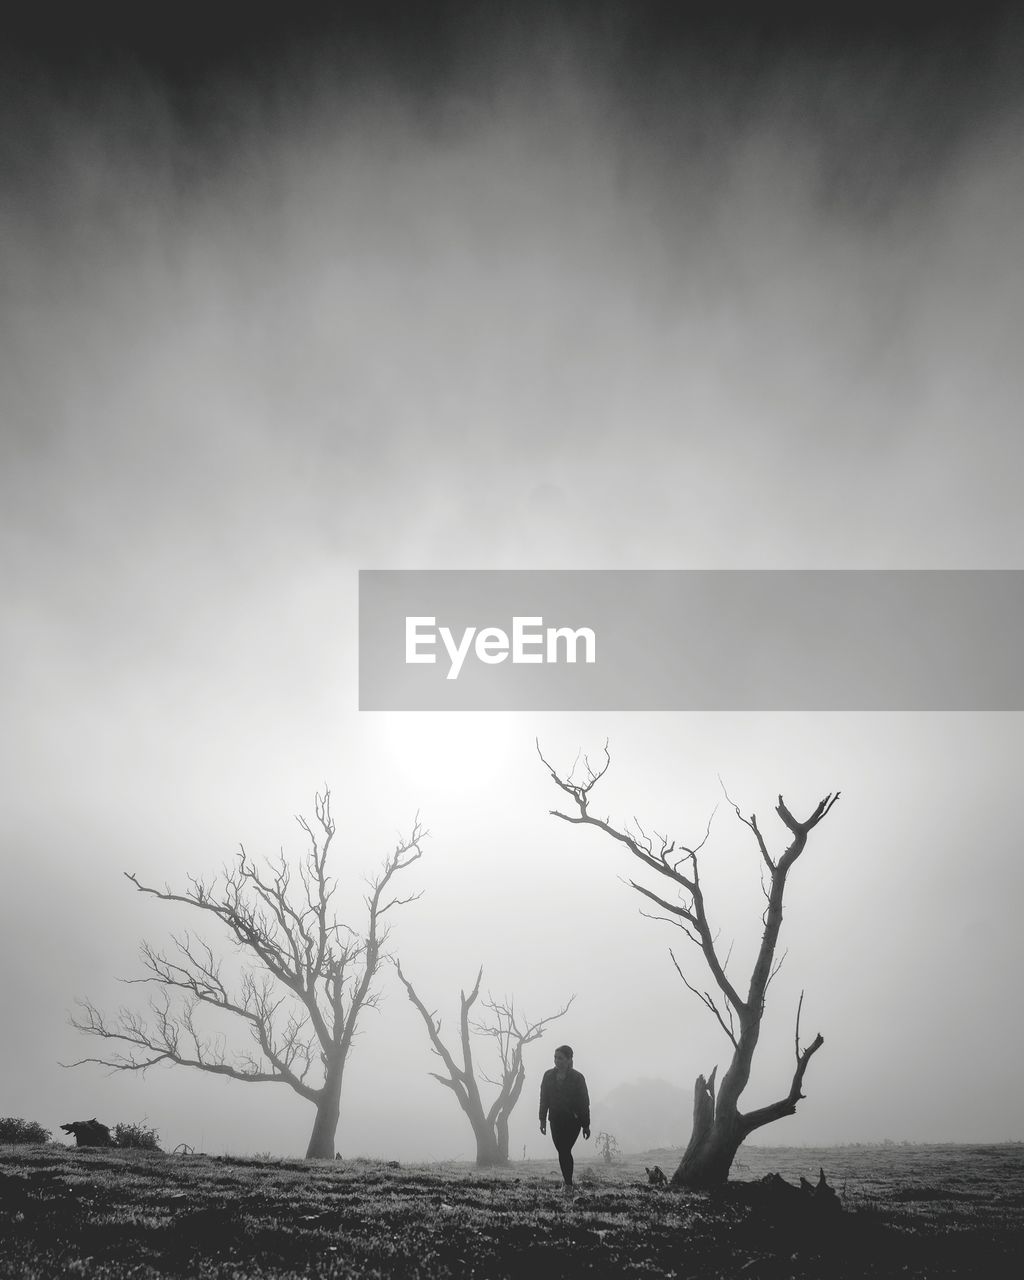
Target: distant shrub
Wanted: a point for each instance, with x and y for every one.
(12, 1130)
(136, 1135)
(607, 1148)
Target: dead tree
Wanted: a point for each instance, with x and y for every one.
(511, 1034)
(719, 1127)
(311, 976)
(607, 1147)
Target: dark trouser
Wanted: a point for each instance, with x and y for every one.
(565, 1130)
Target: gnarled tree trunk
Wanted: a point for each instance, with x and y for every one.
(488, 1149)
(719, 1127)
(713, 1143)
(328, 1111)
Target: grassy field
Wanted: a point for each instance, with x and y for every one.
(909, 1211)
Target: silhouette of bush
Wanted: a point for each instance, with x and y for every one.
(136, 1135)
(12, 1130)
(607, 1147)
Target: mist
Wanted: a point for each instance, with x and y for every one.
(558, 306)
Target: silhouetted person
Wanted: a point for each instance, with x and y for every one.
(564, 1097)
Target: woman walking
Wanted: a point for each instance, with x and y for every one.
(564, 1098)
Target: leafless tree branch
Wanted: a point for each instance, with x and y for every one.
(719, 1127)
(511, 1032)
(706, 998)
(313, 973)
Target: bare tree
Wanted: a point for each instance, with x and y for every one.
(312, 976)
(719, 1127)
(511, 1033)
(607, 1147)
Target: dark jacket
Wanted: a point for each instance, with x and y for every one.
(568, 1097)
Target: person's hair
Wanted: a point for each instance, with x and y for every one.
(564, 1048)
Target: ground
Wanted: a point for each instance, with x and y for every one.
(924, 1212)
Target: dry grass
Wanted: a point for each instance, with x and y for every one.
(926, 1212)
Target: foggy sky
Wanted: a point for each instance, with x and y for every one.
(535, 310)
